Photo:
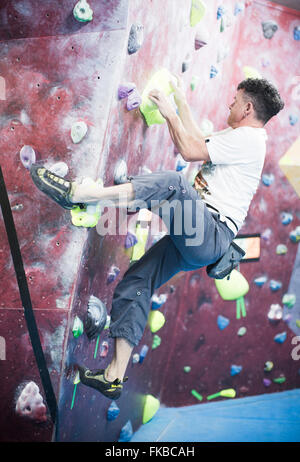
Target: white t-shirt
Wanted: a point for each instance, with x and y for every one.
(230, 180)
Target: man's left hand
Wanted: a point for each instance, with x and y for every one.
(162, 102)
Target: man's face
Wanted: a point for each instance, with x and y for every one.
(237, 110)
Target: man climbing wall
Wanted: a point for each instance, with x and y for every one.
(202, 219)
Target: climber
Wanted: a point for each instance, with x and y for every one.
(216, 205)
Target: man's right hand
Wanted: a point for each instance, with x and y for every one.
(179, 92)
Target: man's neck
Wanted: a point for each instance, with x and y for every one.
(246, 123)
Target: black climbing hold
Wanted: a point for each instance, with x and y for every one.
(95, 318)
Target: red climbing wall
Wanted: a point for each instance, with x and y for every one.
(58, 71)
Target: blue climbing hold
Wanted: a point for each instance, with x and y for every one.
(267, 179)
(113, 411)
(286, 218)
(158, 301)
(113, 273)
(143, 353)
(260, 281)
(130, 240)
(222, 322)
(280, 338)
(239, 8)
(297, 33)
(220, 12)
(213, 72)
(293, 119)
(126, 433)
(235, 370)
(275, 285)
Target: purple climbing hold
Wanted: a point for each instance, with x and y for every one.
(113, 273)
(134, 100)
(136, 38)
(130, 240)
(125, 89)
(27, 156)
(267, 382)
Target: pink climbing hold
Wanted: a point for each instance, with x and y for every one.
(104, 349)
(30, 403)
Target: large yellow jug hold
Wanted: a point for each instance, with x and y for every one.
(156, 320)
(198, 10)
(235, 287)
(160, 81)
(251, 73)
(151, 407)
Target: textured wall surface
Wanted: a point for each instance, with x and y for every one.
(58, 71)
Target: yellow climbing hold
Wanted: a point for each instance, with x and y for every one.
(151, 407)
(251, 73)
(237, 286)
(198, 10)
(160, 81)
(142, 237)
(89, 216)
(290, 165)
(156, 320)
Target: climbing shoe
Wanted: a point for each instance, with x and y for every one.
(56, 187)
(95, 379)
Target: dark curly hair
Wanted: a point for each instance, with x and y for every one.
(264, 96)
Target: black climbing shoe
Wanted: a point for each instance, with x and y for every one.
(95, 379)
(56, 187)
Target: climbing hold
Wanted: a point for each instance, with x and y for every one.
(120, 173)
(201, 37)
(234, 288)
(180, 163)
(267, 179)
(297, 322)
(251, 73)
(281, 249)
(82, 11)
(295, 235)
(223, 52)
(268, 366)
(206, 127)
(142, 238)
(161, 81)
(88, 215)
(286, 218)
(156, 320)
(27, 156)
(78, 131)
(158, 300)
(227, 393)
(103, 349)
(125, 89)
(280, 379)
(297, 32)
(194, 82)
(213, 71)
(60, 169)
(134, 100)
(95, 318)
(156, 342)
(260, 280)
(151, 407)
(130, 240)
(126, 433)
(222, 322)
(186, 63)
(266, 234)
(112, 274)
(235, 370)
(242, 330)
(269, 28)
(275, 285)
(293, 119)
(275, 313)
(136, 38)
(77, 327)
(220, 11)
(135, 358)
(289, 300)
(280, 338)
(198, 10)
(239, 8)
(113, 411)
(187, 369)
(143, 353)
(267, 382)
(30, 403)
(197, 395)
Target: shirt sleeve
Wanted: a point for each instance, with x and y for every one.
(232, 147)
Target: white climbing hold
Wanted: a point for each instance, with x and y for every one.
(30, 403)
(60, 169)
(206, 127)
(78, 131)
(82, 11)
(120, 173)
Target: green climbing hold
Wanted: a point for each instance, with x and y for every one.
(227, 393)
(289, 300)
(77, 327)
(280, 379)
(156, 320)
(237, 286)
(242, 330)
(156, 341)
(197, 395)
(82, 11)
(198, 10)
(194, 82)
(161, 81)
(88, 216)
(187, 369)
(151, 407)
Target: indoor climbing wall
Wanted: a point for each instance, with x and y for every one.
(71, 96)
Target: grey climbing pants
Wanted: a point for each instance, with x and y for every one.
(195, 238)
